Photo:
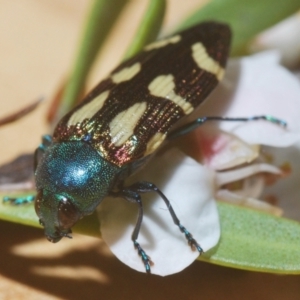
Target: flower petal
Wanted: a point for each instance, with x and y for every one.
(287, 190)
(284, 37)
(251, 187)
(242, 173)
(236, 199)
(254, 86)
(220, 150)
(190, 188)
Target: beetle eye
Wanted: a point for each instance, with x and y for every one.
(68, 214)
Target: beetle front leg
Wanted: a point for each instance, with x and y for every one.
(19, 200)
(46, 141)
(145, 187)
(200, 121)
(134, 197)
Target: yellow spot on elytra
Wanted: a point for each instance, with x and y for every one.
(88, 110)
(204, 61)
(161, 43)
(163, 86)
(122, 126)
(126, 73)
(154, 143)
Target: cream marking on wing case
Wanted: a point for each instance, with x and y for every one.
(122, 126)
(172, 40)
(163, 86)
(88, 110)
(126, 73)
(205, 62)
(155, 142)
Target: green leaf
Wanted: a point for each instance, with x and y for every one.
(99, 22)
(25, 214)
(250, 240)
(149, 27)
(247, 18)
(256, 241)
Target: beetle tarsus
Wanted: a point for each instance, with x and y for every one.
(19, 200)
(132, 194)
(191, 241)
(144, 187)
(145, 258)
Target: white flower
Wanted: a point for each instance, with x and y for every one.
(263, 88)
(190, 188)
(255, 85)
(284, 37)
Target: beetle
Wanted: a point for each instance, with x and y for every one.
(120, 124)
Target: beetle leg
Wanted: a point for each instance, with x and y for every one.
(145, 187)
(134, 197)
(198, 122)
(19, 200)
(46, 141)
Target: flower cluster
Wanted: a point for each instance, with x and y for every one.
(218, 155)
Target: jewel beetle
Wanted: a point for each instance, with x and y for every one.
(121, 123)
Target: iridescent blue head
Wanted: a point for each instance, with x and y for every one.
(71, 180)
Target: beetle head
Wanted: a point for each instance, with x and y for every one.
(57, 214)
(71, 180)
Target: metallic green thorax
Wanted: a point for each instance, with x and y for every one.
(73, 172)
